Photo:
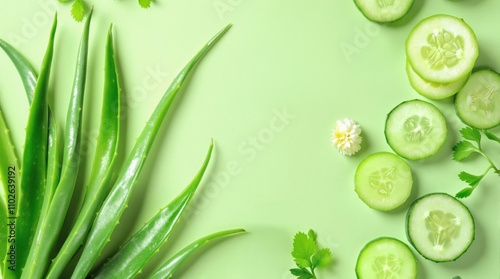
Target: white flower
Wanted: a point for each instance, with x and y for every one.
(347, 137)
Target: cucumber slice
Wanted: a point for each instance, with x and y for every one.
(386, 257)
(383, 181)
(478, 103)
(384, 10)
(415, 129)
(442, 49)
(432, 90)
(440, 227)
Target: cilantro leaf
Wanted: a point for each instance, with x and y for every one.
(303, 249)
(470, 133)
(77, 10)
(312, 235)
(464, 193)
(308, 256)
(491, 136)
(302, 273)
(472, 180)
(145, 3)
(322, 257)
(463, 149)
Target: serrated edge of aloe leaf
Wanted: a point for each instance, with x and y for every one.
(169, 267)
(8, 159)
(119, 195)
(34, 165)
(105, 155)
(129, 260)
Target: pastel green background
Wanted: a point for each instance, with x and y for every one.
(269, 93)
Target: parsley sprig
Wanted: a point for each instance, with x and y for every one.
(308, 256)
(78, 7)
(470, 145)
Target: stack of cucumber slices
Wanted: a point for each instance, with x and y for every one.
(441, 51)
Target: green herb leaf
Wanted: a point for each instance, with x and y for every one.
(472, 180)
(491, 136)
(78, 10)
(301, 273)
(145, 3)
(464, 193)
(303, 249)
(308, 256)
(470, 133)
(463, 149)
(312, 234)
(322, 257)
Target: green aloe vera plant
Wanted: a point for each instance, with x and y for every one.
(36, 191)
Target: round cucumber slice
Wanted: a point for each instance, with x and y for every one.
(442, 49)
(383, 181)
(440, 227)
(386, 257)
(384, 10)
(415, 129)
(432, 90)
(478, 103)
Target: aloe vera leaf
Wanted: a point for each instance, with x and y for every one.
(103, 165)
(52, 176)
(167, 269)
(34, 163)
(115, 203)
(50, 224)
(26, 71)
(53, 164)
(136, 252)
(8, 166)
(28, 78)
